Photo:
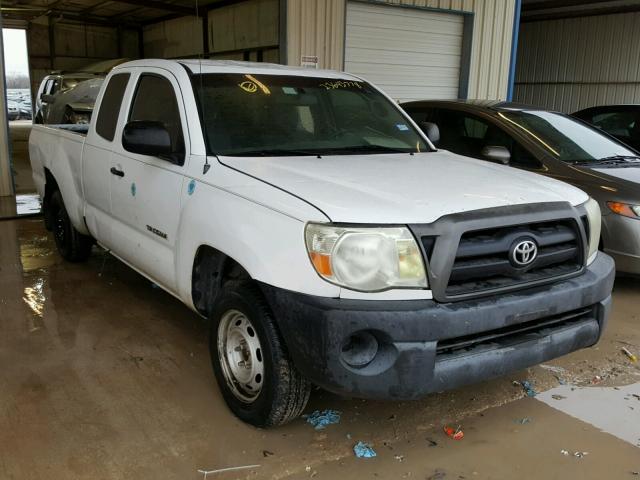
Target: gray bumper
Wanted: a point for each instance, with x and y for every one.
(621, 237)
(425, 346)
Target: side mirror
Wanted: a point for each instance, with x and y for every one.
(47, 98)
(497, 154)
(431, 130)
(146, 138)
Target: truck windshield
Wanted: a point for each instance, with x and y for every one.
(565, 138)
(274, 115)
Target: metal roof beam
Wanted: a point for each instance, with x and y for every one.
(160, 5)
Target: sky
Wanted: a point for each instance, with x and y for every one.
(15, 51)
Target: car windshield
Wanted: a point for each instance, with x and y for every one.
(272, 115)
(565, 138)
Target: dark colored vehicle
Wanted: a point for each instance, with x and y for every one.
(553, 144)
(621, 121)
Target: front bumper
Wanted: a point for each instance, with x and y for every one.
(621, 238)
(426, 346)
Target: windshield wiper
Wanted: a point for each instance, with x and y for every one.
(617, 160)
(274, 152)
(365, 149)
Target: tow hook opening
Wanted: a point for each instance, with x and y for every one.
(359, 349)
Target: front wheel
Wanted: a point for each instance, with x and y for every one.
(257, 378)
(71, 244)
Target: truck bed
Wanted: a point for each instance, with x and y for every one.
(58, 148)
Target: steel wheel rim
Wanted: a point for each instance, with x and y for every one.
(240, 355)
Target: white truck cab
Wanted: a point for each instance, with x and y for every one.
(304, 214)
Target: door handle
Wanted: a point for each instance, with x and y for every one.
(117, 172)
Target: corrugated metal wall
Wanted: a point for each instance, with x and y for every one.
(245, 26)
(246, 30)
(179, 37)
(575, 63)
(63, 46)
(316, 27)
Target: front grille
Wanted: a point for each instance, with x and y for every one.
(482, 261)
(512, 334)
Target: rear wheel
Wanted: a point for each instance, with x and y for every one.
(72, 245)
(257, 378)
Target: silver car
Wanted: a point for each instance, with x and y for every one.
(67, 98)
(552, 144)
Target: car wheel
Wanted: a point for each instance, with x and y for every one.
(257, 378)
(72, 245)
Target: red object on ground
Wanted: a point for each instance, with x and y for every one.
(454, 433)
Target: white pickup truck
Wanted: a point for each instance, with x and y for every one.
(322, 235)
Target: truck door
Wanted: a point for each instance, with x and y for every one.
(145, 190)
(96, 159)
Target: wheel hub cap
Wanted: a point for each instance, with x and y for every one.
(240, 355)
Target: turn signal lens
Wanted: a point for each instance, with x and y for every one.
(624, 209)
(322, 263)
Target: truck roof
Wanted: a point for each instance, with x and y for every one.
(232, 66)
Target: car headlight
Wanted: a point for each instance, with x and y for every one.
(595, 224)
(366, 259)
(624, 209)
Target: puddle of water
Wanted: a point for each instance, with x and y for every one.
(612, 410)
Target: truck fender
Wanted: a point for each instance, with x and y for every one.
(266, 243)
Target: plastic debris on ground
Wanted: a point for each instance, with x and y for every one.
(554, 369)
(432, 443)
(321, 419)
(523, 421)
(454, 433)
(629, 355)
(558, 397)
(364, 450)
(437, 475)
(566, 453)
(527, 387)
(224, 470)
(399, 458)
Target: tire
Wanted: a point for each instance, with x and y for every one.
(266, 390)
(72, 245)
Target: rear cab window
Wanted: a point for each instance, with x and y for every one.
(110, 106)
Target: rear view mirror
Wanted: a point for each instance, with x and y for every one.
(497, 154)
(431, 130)
(146, 138)
(46, 98)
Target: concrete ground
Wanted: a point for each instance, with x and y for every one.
(105, 377)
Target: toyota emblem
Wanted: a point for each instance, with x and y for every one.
(523, 253)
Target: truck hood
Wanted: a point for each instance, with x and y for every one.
(402, 188)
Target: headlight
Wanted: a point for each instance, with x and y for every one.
(595, 221)
(366, 259)
(624, 209)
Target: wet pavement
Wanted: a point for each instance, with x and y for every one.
(105, 377)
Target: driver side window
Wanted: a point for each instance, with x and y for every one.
(155, 100)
